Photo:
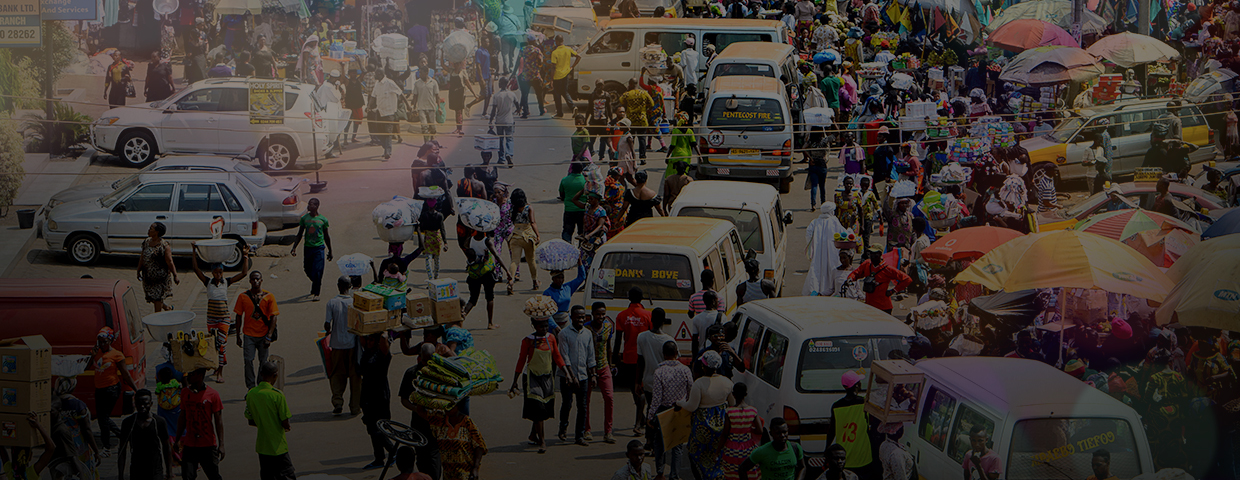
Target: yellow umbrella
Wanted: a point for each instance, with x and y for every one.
(1071, 259)
(1208, 296)
(1202, 252)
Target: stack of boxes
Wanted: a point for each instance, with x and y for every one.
(393, 50)
(1107, 88)
(25, 386)
(376, 308)
(445, 301)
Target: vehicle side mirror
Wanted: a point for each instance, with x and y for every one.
(787, 218)
(119, 208)
(172, 107)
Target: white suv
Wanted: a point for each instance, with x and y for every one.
(213, 116)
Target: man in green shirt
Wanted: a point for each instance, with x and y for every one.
(830, 86)
(266, 408)
(779, 459)
(314, 227)
(574, 216)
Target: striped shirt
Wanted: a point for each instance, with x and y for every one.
(697, 305)
(1045, 187)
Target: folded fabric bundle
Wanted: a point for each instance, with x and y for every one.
(440, 375)
(449, 391)
(455, 368)
(485, 387)
(429, 399)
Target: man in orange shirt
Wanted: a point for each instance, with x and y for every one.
(630, 323)
(256, 327)
(109, 368)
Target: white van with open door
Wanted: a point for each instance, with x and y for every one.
(755, 210)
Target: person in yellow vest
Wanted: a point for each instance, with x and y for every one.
(853, 428)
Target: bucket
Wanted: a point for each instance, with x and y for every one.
(163, 323)
(25, 218)
(216, 251)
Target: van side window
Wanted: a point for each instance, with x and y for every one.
(777, 223)
(724, 267)
(771, 362)
(613, 42)
(749, 342)
(722, 40)
(132, 317)
(671, 42)
(935, 416)
(730, 259)
(736, 244)
(966, 418)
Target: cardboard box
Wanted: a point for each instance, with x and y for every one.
(442, 289)
(419, 305)
(16, 431)
(24, 397)
(393, 299)
(25, 359)
(367, 301)
(205, 353)
(417, 322)
(448, 311)
(374, 321)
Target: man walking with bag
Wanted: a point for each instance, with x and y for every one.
(256, 324)
(426, 102)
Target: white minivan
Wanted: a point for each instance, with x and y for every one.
(756, 58)
(614, 55)
(746, 131)
(754, 209)
(1043, 423)
(796, 349)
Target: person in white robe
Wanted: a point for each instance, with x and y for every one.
(824, 256)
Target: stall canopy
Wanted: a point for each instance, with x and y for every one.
(238, 7)
(1051, 64)
(1208, 296)
(1058, 12)
(1131, 49)
(1027, 33)
(1015, 309)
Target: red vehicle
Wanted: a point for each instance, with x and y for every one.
(69, 312)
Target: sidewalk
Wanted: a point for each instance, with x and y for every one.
(44, 178)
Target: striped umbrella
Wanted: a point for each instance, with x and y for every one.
(1123, 224)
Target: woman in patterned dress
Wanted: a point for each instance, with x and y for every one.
(539, 358)
(708, 400)
(218, 321)
(744, 434)
(900, 225)
(613, 200)
(155, 268)
(595, 225)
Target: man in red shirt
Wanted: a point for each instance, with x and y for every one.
(202, 428)
(883, 275)
(630, 323)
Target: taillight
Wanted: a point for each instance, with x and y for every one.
(290, 200)
(794, 420)
(769, 274)
(787, 149)
(716, 151)
(253, 228)
(1211, 135)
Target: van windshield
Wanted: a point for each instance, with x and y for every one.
(1064, 132)
(1058, 448)
(751, 69)
(746, 114)
(747, 223)
(661, 276)
(824, 360)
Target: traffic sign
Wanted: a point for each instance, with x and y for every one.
(20, 25)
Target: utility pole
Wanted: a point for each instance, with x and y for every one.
(49, 93)
(1143, 16)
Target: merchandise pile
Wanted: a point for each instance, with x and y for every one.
(444, 381)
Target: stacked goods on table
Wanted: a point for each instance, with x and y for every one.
(939, 127)
(908, 61)
(873, 70)
(929, 315)
(993, 126)
(443, 382)
(25, 386)
(193, 350)
(942, 211)
(393, 49)
(376, 308)
(1107, 88)
(952, 174)
(968, 150)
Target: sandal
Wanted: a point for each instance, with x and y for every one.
(509, 289)
(492, 326)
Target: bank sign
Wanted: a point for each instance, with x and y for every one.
(20, 25)
(69, 10)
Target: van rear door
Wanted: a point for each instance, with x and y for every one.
(746, 129)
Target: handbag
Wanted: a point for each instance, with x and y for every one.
(480, 268)
(272, 333)
(130, 91)
(869, 284)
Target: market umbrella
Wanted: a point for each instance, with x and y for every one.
(965, 243)
(1130, 49)
(1208, 296)
(1016, 309)
(1051, 64)
(1228, 224)
(238, 7)
(1227, 245)
(1123, 224)
(1068, 259)
(1163, 247)
(1058, 12)
(1026, 33)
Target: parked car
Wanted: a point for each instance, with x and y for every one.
(186, 203)
(1130, 125)
(1140, 193)
(279, 201)
(69, 312)
(213, 116)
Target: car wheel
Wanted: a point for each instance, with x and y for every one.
(234, 259)
(785, 185)
(137, 148)
(84, 249)
(278, 155)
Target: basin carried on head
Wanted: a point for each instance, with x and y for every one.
(163, 323)
(219, 250)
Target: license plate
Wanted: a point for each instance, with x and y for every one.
(745, 151)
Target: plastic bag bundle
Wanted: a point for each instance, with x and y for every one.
(595, 176)
(556, 254)
(478, 214)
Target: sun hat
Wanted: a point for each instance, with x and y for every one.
(712, 359)
(850, 378)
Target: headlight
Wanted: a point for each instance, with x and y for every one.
(107, 120)
(51, 226)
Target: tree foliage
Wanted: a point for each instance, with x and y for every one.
(64, 47)
(12, 157)
(71, 127)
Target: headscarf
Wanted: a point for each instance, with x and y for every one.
(682, 119)
(712, 359)
(107, 334)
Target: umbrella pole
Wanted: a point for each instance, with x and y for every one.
(1063, 322)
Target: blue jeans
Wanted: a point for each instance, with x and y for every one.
(817, 182)
(505, 140)
(525, 96)
(312, 261)
(571, 396)
(253, 347)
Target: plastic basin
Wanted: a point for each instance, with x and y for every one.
(217, 250)
(163, 323)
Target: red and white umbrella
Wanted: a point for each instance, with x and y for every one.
(1024, 34)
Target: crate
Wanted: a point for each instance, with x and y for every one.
(443, 289)
(370, 322)
(421, 321)
(367, 301)
(16, 431)
(25, 359)
(23, 397)
(447, 311)
(486, 142)
(894, 391)
(393, 299)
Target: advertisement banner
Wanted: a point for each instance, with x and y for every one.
(69, 10)
(266, 103)
(19, 23)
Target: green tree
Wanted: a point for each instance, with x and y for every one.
(10, 82)
(64, 46)
(12, 158)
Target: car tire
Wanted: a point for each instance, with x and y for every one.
(238, 253)
(278, 155)
(137, 148)
(785, 184)
(84, 249)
